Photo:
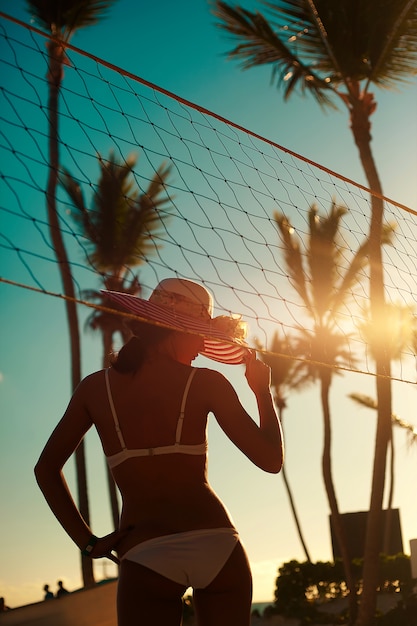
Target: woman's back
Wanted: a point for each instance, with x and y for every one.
(142, 410)
(164, 492)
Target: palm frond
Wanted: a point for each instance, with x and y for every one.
(279, 358)
(261, 44)
(323, 346)
(410, 429)
(115, 194)
(364, 400)
(146, 221)
(294, 260)
(316, 46)
(370, 403)
(393, 43)
(81, 215)
(352, 276)
(354, 273)
(123, 225)
(99, 318)
(323, 255)
(62, 18)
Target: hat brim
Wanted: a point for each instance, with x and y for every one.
(217, 345)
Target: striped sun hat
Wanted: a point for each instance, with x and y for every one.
(187, 306)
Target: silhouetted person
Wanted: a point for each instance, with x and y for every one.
(150, 409)
(48, 594)
(3, 606)
(61, 590)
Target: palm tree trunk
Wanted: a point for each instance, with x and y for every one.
(338, 525)
(295, 514)
(360, 125)
(291, 498)
(54, 80)
(388, 514)
(374, 525)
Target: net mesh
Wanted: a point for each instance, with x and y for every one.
(224, 187)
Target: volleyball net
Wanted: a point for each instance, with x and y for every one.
(224, 189)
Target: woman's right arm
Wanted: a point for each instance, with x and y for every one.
(263, 443)
(49, 475)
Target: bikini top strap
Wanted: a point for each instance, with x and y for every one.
(183, 403)
(113, 410)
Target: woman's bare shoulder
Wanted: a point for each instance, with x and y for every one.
(90, 385)
(93, 379)
(215, 383)
(209, 375)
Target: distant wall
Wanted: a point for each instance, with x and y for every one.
(92, 607)
(355, 528)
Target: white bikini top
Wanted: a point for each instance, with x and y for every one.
(176, 448)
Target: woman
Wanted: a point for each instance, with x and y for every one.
(150, 410)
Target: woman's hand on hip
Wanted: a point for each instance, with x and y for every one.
(105, 546)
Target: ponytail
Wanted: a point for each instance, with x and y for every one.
(132, 355)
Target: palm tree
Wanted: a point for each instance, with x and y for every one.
(280, 359)
(324, 288)
(392, 332)
(411, 431)
(336, 53)
(122, 228)
(61, 20)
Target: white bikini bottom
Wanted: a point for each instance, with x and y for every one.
(192, 558)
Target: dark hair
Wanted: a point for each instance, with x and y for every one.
(132, 355)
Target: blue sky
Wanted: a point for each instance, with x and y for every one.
(177, 47)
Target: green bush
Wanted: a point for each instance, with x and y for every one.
(301, 588)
